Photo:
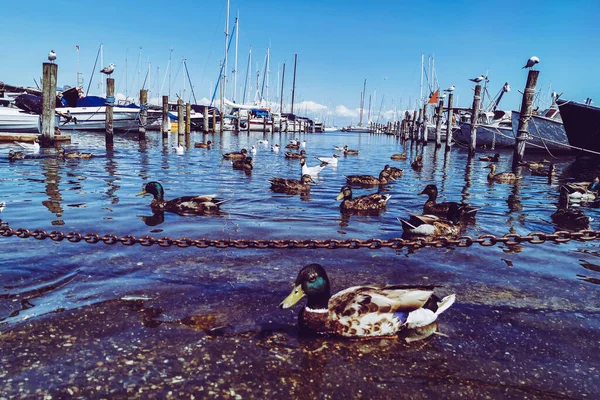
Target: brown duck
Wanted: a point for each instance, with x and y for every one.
(201, 145)
(502, 176)
(370, 180)
(236, 155)
(247, 164)
(291, 154)
(291, 186)
(494, 158)
(368, 204)
(443, 209)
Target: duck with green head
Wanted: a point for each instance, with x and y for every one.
(185, 205)
(367, 312)
(432, 207)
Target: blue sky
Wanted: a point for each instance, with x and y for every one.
(339, 44)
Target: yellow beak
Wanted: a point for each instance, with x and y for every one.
(142, 192)
(340, 196)
(294, 297)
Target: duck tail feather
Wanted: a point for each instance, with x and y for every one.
(445, 303)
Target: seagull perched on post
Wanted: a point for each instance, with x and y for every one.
(108, 70)
(478, 79)
(450, 89)
(531, 62)
(51, 56)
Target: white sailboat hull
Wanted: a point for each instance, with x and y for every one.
(18, 121)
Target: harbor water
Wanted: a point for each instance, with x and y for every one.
(83, 320)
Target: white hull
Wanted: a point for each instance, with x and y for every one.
(543, 133)
(94, 118)
(488, 136)
(15, 120)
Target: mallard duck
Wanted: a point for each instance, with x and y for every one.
(236, 155)
(372, 311)
(333, 161)
(15, 155)
(399, 156)
(370, 180)
(291, 154)
(534, 164)
(369, 203)
(312, 171)
(247, 164)
(33, 147)
(185, 205)
(201, 145)
(417, 162)
(494, 158)
(429, 226)
(292, 186)
(543, 171)
(442, 209)
(294, 146)
(396, 172)
(73, 154)
(350, 152)
(579, 192)
(571, 219)
(502, 176)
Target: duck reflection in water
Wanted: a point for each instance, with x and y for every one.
(157, 218)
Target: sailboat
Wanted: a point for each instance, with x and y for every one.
(359, 128)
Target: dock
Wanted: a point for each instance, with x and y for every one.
(28, 137)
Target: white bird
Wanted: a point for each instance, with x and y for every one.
(2, 205)
(253, 149)
(265, 141)
(179, 149)
(303, 144)
(275, 148)
(450, 89)
(52, 56)
(478, 79)
(108, 70)
(506, 87)
(34, 147)
(531, 62)
(333, 161)
(312, 171)
(338, 148)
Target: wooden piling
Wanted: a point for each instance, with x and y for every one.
(180, 123)
(413, 127)
(438, 124)
(424, 126)
(474, 118)
(205, 120)
(50, 71)
(526, 111)
(143, 114)
(188, 118)
(165, 117)
(449, 125)
(214, 120)
(110, 103)
(264, 125)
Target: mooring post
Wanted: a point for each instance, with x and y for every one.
(110, 103)
(50, 71)
(143, 114)
(214, 120)
(188, 118)
(424, 126)
(180, 122)
(413, 128)
(526, 111)
(205, 120)
(449, 122)
(165, 117)
(419, 124)
(474, 118)
(264, 125)
(438, 124)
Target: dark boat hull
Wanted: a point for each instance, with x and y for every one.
(582, 126)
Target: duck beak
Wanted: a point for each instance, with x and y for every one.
(340, 196)
(294, 297)
(143, 192)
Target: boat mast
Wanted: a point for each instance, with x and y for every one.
(282, 81)
(126, 80)
(169, 67)
(226, 49)
(244, 98)
(362, 102)
(235, 67)
(101, 66)
(294, 81)
(421, 88)
(79, 75)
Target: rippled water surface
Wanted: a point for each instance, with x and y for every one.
(525, 323)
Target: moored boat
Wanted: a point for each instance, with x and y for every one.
(582, 124)
(545, 131)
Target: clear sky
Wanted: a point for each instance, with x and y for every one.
(339, 44)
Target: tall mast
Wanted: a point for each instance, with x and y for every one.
(294, 81)
(235, 67)
(244, 98)
(79, 75)
(282, 81)
(226, 45)
(362, 102)
(126, 80)
(170, 54)
(101, 66)
(268, 74)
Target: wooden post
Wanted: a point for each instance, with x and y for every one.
(474, 118)
(438, 125)
(264, 125)
(248, 122)
(188, 118)
(449, 126)
(180, 122)
(214, 120)
(526, 111)
(165, 117)
(205, 120)
(143, 114)
(414, 125)
(221, 113)
(424, 126)
(50, 71)
(419, 123)
(110, 103)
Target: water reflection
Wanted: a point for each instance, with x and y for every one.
(112, 188)
(52, 180)
(157, 218)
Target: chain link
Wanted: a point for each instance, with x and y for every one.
(511, 239)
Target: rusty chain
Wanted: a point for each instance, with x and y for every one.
(511, 239)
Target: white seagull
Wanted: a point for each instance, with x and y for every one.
(312, 171)
(263, 141)
(179, 149)
(34, 147)
(531, 62)
(333, 161)
(253, 149)
(478, 79)
(52, 56)
(450, 89)
(108, 70)
(275, 148)
(303, 144)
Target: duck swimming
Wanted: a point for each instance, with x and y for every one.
(367, 204)
(429, 226)
(236, 155)
(502, 176)
(494, 158)
(372, 311)
(291, 154)
(15, 155)
(350, 152)
(73, 154)
(185, 205)
(399, 156)
(291, 186)
(442, 209)
(543, 171)
(370, 180)
(201, 145)
(417, 162)
(247, 164)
